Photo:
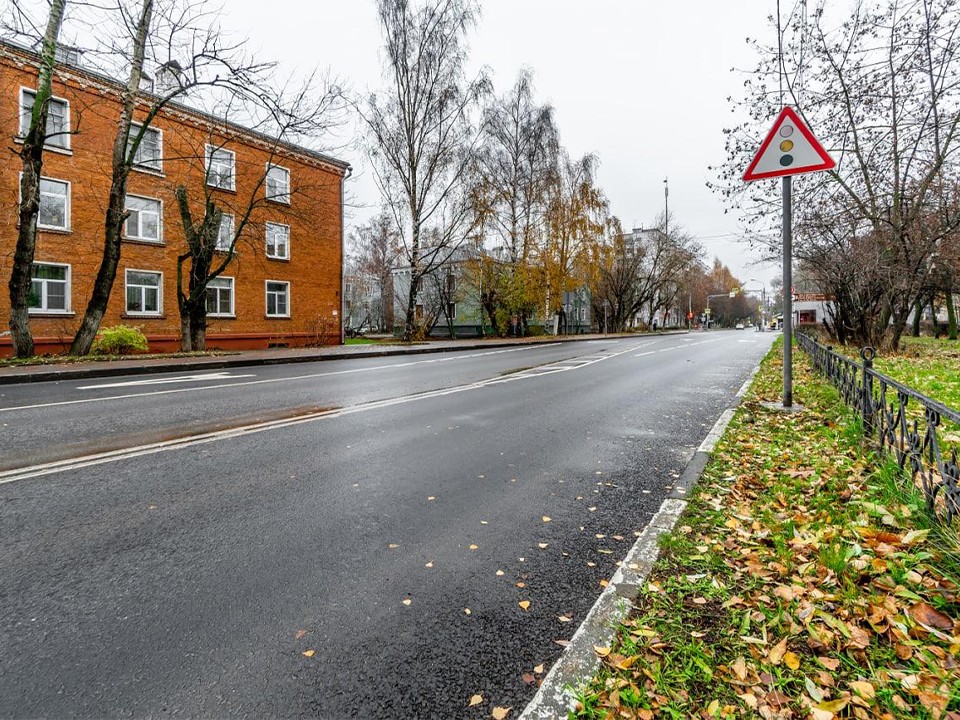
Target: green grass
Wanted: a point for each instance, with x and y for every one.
(793, 580)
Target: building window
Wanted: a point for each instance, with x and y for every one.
(220, 168)
(145, 219)
(54, 204)
(278, 184)
(50, 288)
(225, 236)
(808, 317)
(144, 292)
(220, 297)
(149, 154)
(278, 241)
(57, 133)
(278, 299)
(452, 310)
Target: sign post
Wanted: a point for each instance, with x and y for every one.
(789, 149)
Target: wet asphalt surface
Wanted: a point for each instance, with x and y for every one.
(191, 582)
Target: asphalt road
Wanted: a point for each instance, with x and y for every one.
(193, 580)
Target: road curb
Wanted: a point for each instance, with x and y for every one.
(184, 364)
(578, 663)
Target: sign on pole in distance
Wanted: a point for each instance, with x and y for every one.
(789, 149)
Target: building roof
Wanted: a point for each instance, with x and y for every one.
(8, 47)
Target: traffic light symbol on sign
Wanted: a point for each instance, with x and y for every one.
(789, 149)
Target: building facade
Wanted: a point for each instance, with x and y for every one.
(283, 287)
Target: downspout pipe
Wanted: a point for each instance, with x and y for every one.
(343, 249)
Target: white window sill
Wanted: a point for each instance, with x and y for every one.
(47, 147)
(284, 258)
(39, 312)
(53, 229)
(277, 317)
(278, 201)
(220, 316)
(143, 241)
(155, 316)
(148, 170)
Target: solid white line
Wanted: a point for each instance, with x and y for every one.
(262, 382)
(166, 380)
(40, 470)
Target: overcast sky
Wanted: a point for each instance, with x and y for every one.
(642, 84)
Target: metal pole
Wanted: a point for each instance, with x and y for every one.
(787, 295)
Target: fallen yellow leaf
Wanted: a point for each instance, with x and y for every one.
(542, 546)
(777, 652)
(407, 601)
(473, 547)
(475, 700)
(466, 611)
(601, 651)
(308, 653)
(429, 564)
(432, 497)
(538, 669)
(499, 573)
(791, 660)
(499, 713)
(393, 546)
(525, 604)
(299, 634)
(564, 618)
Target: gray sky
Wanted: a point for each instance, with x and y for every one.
(642, 84)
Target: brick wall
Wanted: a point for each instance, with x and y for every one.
(313, 215)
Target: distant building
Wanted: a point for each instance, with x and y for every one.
(284, 286)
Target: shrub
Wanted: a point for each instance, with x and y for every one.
(119, 340)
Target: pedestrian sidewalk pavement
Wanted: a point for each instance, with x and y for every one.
(67, 370)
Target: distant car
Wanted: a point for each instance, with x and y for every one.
(739, 326)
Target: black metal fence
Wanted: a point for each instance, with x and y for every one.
(886, 408)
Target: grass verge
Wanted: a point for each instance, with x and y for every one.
(803, 581)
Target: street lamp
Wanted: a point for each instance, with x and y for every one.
(763, 304)
(726, 295)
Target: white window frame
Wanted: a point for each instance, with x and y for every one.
(233, 288)
(221, 247)
(147, 166)
(282, 198)
(67, 202)
(56, 144)
(286, 244)
(209, 150)
(126, 286)
(43, 309)
(267, 291)
(140, 238)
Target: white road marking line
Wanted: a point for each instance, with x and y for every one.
(50, 468)
(167, 380)
(267, 381)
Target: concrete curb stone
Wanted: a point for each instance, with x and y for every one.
(578, 663)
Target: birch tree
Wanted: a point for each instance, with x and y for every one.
(423, 131)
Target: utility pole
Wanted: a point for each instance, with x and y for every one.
(666, 207)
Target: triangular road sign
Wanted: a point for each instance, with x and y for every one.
(789, 149)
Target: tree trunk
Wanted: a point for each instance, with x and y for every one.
(116, 212)
(951, 316)
(186, 337)
(917, 312)
(21, 274)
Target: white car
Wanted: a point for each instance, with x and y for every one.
(739, 326)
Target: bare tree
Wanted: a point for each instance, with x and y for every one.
(375, 246)
(879, 85)
(179, 38)
(38, 131)
(421, 131)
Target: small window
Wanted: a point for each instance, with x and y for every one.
(145, 219)
(225, 236)
(451, 310)
(50, 288)
(54, 211)
(278, 241)
(221, 164)
(149, 154)
(278, 299)
(57, 132)
(451, 284)
(220, 297)
(144, 292)
(278, 184)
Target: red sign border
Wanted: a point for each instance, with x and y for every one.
(788, 112)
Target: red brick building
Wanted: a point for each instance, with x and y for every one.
(282, 288)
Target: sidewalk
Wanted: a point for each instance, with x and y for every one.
(274, 356)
